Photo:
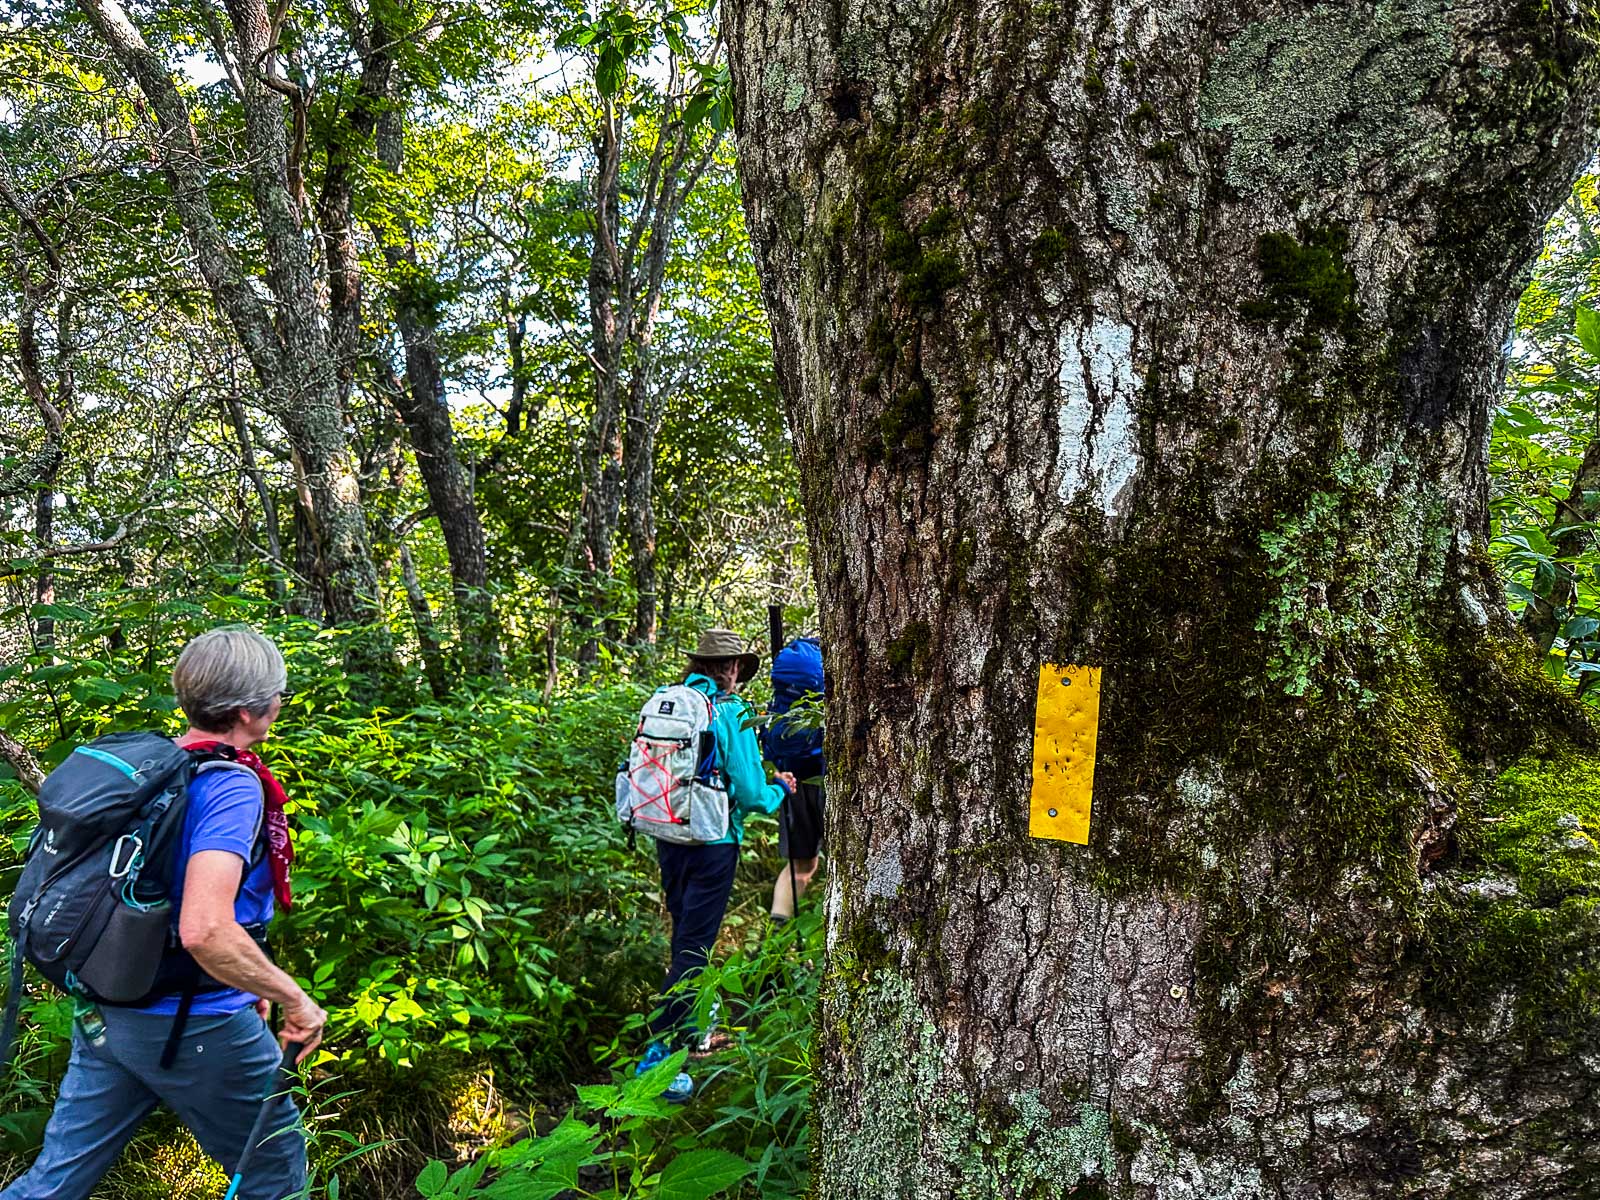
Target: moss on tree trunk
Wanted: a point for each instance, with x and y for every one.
(1164, 339)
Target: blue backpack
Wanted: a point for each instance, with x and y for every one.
(796, 670)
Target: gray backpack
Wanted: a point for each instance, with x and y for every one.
(92, 910)
(672, 787)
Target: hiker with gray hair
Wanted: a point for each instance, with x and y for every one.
(199, 1042)
(697, 879)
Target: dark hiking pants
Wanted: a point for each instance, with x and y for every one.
(697, 881)
(225, 1065)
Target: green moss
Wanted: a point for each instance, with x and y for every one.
(1542, 828)
(935, 274)
(1050, 247)
(1145, 113)
(907, 418)
(910, 652)
(966, 417)
(890, 171)
(1160, 151)
(1304, 281)
(921, 264)
(1093, 85)
(962, 559)
(1308, 291)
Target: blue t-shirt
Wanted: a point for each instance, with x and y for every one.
(225, 813)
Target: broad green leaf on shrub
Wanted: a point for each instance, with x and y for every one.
(701, 1174)
(1588, 323)
(431, 1182)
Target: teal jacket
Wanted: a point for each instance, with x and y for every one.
(739, 754)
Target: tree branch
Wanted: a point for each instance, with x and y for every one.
(21, 760)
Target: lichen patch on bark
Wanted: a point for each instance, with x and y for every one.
(1309, 99)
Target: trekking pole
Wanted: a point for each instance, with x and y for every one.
(794, 890)
(284, 1072)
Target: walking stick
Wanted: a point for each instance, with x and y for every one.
(284, 1072)
(794, 890)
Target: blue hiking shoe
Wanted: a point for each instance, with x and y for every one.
(682, 1085)
(680, 1089)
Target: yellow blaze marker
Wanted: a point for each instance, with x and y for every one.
(1065, 723)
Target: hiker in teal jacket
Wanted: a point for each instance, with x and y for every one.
(698, 879)
(739, 756)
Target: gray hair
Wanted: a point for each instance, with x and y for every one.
(224, 670)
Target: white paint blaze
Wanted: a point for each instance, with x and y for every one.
(1098, 430)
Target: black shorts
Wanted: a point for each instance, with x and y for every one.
(800, 823)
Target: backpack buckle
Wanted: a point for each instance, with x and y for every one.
(133, 856)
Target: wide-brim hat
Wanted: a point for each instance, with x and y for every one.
(720, 644)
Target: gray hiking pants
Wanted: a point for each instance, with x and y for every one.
(225, 1065)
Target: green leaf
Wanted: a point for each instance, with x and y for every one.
(700, 1174)
(598, 1095)
(611, 70)
(1580, 627)
(1588, 321)
(699, 105)
(433, 1179)
(62, 612)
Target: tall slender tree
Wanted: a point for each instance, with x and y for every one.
(629, 252)
(1161, 340)
(287, 340)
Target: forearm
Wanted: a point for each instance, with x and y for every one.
(751, 790)
(230, 955)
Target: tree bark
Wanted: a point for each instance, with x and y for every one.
(21, 760)
(638, 472)
(426, 413)
(434, 664)
(1163, 339)
(285, 342)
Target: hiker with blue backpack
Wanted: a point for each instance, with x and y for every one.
(145, 895)
(795, 748)
(694, 772)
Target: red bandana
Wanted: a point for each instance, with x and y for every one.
(280, 854)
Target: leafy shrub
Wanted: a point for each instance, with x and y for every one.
(460, 882)
(745, 1129)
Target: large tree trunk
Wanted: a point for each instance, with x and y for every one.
(1162, 339)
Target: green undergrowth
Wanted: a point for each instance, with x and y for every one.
(746, 1132)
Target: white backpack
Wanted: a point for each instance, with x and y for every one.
(673, 788)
